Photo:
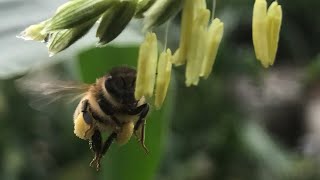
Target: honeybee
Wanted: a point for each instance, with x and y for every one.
(109, 105)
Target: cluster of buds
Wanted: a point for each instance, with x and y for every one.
(75, 18)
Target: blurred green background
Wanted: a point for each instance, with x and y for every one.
(243, 122)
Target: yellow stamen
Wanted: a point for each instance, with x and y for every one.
(147, 66)
(198, 47)
(214, 37)
(163, 77)
(274, 25)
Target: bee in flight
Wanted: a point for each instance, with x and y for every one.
(108, 105)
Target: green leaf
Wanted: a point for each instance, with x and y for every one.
(129, 160)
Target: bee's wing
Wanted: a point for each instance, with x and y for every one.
(46, 92)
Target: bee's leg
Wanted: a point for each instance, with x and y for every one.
(95, 144)
(108, 142)
(140, 125)
(102, 151)
(138, 110)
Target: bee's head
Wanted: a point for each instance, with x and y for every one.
(120, 84)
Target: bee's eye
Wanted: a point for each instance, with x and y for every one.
(123, 81)
(108, 83)
(119, 83)
(109, 78)
(133, 82)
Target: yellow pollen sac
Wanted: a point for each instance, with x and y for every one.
(186, 30)
(197, 47)
(266, 30)
(214, 37)
(81, 128)
(189, 13)
(163, 77)
(147, 66)
(274, 25)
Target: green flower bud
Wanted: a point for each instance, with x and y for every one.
(62, 39)
(77, 12)
(160, 12)
(114, 20)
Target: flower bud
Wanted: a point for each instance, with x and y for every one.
(33, 32)
(77, 12)
(160, 12)
(114, 20)
(143, 6)
(60, 40)
(147, 66)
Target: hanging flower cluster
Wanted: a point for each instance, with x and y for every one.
(200, 35)
(199, 43)
(75, 18)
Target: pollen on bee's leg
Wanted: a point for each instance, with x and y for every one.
(81, 128)
(125, 134)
